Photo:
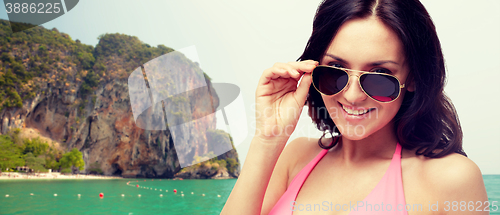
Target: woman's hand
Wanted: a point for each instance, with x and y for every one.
(279, 101)
(278, 106)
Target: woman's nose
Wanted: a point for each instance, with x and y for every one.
(353, 92)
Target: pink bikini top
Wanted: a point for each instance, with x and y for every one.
(386, 198)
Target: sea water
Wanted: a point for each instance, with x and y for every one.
(492, 184)
(192, 197)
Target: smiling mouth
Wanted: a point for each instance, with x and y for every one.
(356, 112)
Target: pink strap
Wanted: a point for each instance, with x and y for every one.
(284, 205)
(388, 193)
(388, 196)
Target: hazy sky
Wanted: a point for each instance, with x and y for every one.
(237, 40)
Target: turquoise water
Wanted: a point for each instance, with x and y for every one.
(67, 201)
(492, 184)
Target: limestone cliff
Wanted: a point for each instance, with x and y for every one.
(78, 96)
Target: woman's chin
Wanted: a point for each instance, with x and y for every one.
(354, 134)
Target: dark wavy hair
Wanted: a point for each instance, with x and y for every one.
(427, 119)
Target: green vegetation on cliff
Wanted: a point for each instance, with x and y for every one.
(39, 58)
(134, 52)
(48, 72)
(74, 158)
(36, 154)
(10, 153)
(34, 62)
(217, 139)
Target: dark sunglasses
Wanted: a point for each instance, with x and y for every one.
(381, 87)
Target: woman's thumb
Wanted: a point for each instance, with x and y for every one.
(301, 93)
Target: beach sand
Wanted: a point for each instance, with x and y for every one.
(53, 175)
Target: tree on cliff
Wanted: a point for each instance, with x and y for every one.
(35, 162)
(10, 153)
(36, 146)
(74, 158)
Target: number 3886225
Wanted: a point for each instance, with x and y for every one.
(470, 206)
(33, 8)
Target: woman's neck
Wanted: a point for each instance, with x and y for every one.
(380, 144)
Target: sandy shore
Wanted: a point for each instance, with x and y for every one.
(54, 175)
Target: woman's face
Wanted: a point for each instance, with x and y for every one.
(367, 45)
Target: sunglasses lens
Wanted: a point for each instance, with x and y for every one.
(380, 87)
(329, 80)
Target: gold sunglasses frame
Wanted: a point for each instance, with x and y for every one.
(401, 86)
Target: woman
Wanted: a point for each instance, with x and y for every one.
(373, 72)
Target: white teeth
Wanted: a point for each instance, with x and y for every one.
(355, 112)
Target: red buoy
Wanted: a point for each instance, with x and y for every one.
(101, 195)
(175, 190)
(137, 185)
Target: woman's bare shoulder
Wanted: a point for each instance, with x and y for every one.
(301, 149)
(298, 153)
(453, 176)
(303, 144)
(295, 152)
(451, 167)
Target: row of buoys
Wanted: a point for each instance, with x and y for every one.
(123, 195)
(151, 180)
(175, 190)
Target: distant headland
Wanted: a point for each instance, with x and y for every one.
(59, 95)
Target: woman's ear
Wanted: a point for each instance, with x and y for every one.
(410, 87)
(410, 83)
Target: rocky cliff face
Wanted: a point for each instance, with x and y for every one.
(82, 101)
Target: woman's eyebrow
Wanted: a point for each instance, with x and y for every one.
(376, 63)
(336, 58)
